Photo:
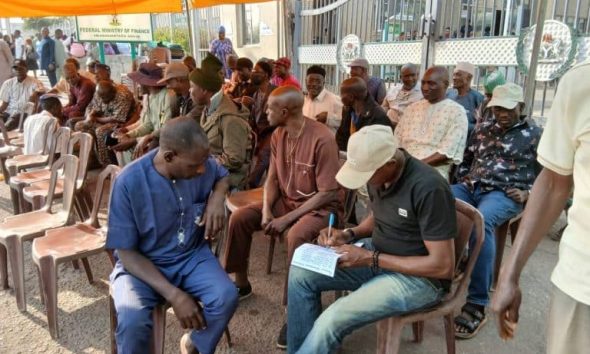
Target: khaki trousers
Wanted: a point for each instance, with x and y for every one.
(569, 325)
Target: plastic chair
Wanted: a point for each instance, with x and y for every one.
(58, 144)
(15, 230)
(22, 179)
(70, 243)
(389, 330)
(501, 233)
(37, 192)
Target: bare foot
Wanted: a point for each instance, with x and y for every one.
(186, 345)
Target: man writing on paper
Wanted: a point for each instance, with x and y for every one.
(408, 256)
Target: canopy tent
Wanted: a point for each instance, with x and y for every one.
(27, 8)
(207, 3)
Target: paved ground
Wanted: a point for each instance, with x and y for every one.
(84, 323)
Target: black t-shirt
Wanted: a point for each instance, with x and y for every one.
(419, 207)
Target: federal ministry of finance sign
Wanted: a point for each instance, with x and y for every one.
(114, 28)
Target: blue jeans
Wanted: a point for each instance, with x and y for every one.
(375, 296)
(496, 209)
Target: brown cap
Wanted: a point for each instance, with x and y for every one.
(175, 70)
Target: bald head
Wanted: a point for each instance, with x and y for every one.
(70, 73)
(284, 103)
(353, 89)
(106, 90)
(288, 97)
(435, 84)
(183, 134)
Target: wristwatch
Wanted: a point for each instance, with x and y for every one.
(352, 234)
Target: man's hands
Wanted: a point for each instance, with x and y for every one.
(338, 238)
(213, 218)
(276, 226)
(125, 143)
(518, 195)
(505, 304)
(142, 146)
(322, 117)
(354, 256)
(187, 310)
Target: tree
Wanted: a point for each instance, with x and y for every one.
(35, 24)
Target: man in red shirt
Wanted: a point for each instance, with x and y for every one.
(282, 75)
(81, 93)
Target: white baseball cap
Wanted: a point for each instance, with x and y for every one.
(368, 150)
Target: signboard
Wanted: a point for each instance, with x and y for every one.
(557, 54)
(349, 49)
(114, 28)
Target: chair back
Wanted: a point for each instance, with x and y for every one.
(108, 174)
(468, 219)
(85, 142)
(69, 165)
(59, 144)
(27, 111)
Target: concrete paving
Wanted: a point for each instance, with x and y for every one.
(84, 319)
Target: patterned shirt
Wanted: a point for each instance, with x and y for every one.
(499, 159)
(427, 128)
(118, 108)
(221, 49)
(398, 99)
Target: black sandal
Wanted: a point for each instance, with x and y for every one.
(470, 321)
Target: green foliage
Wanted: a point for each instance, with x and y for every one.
(35, 24)
(179, 36)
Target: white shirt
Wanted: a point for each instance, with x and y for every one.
(34, 129)
(565, 149)
(326, 101)
(427, 128)
(398, 99)
(19, 48)
(6, 61)
(17, 94)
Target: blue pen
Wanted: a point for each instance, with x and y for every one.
(330, 224)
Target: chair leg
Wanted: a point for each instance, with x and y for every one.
(271, 251)
(3, 268)
(159, 329)
(500, 235)
(389, 332)
(37, 202)
(14, 248)
(113, 322)
(228, 337)
(49, 281)
(418, 329)
(40, 278)
(450, 333)
(111, 257)
(5, 172)
(75, 264)
(16, 201)
(88, 270)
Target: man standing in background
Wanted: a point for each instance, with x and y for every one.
(48, 56)
(60, 54)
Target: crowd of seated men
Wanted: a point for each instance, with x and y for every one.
(194, 137)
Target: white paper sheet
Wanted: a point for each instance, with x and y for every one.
(316, 258)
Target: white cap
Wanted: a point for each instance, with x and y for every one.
(466, 67)
(508, 96)
(368, 150)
